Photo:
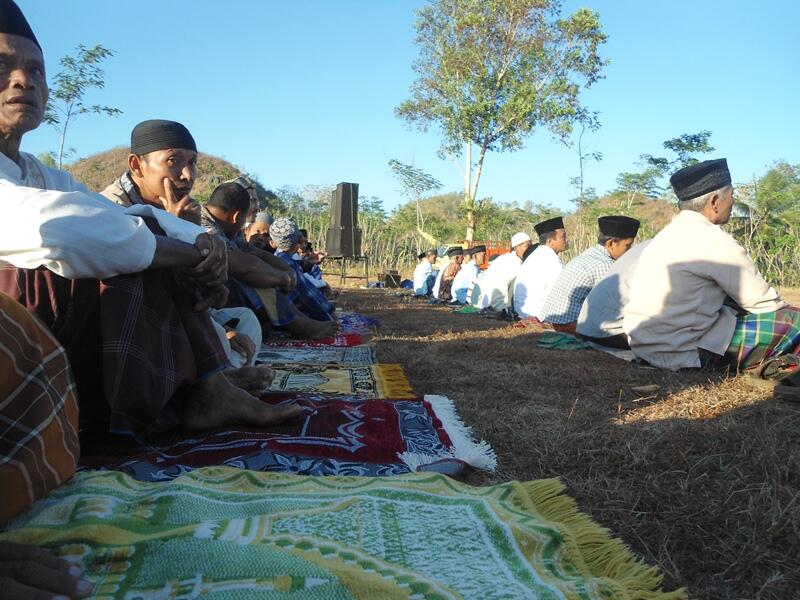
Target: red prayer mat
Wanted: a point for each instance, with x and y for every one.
(336, 436)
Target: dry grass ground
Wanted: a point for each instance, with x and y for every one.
(701, 477)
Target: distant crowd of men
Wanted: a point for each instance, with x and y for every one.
(690, 297)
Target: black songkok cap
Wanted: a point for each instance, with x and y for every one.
(457, 251)
(13, 22)
(549, 225)
(700, 178)
(150, 136)
(422, 255)
(618, 226)
(475, 249)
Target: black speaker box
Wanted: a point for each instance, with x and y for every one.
(344, 205)
(343, 241)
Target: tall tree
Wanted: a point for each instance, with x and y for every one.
(79, 74)
(490, 72)
(588, 122)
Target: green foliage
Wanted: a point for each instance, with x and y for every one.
(78, 75)
(641, 184)
(648, 181)
(768, 222)
(414, 181)
(48, 159)
(491, 72)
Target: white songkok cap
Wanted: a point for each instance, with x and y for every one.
(519, 238)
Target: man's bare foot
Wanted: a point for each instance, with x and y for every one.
(253, 379)
(216, 402)
(303, 328)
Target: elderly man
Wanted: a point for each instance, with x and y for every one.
(697, 299)
(579, 276)
(467, 277)
(65, 238)
(285, 235)
(541, 269)
(257, 233)
(152, 343)
(495, 287)
(424, 273)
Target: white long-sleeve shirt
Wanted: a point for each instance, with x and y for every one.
(438, 283)
(51, 220)
(678, 290)
(497, 281)
(421, 273)
(464, 281)
(534, 281)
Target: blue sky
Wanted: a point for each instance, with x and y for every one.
(304, 92)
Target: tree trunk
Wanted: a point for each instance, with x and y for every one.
(470, 225)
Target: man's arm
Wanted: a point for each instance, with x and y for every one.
(80, 234)
(275, 262)
(736, 273)
(250, 269)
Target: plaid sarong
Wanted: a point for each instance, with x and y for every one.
(38, 411)
(133, 340)
(760, 337)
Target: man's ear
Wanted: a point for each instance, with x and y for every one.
(233, 217)
(135, 165)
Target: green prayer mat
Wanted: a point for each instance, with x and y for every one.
(467, 310)
(555, 340)
(225, 533)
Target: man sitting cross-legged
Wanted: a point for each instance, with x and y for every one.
(161, 173)
(285, 235)
(697, 298)
(105, 281)
(579, 276)
(467, 277)
(540, 270)
(425, 274)
(253, 269)
(163, 177)
(495, 288)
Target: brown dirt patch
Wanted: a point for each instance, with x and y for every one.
(701, 477)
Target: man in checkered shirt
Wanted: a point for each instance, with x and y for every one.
(579, 276)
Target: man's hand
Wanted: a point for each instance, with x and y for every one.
(213, 269)
(31, 573)
(241, 344)
(183, 207)
(215, 296)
